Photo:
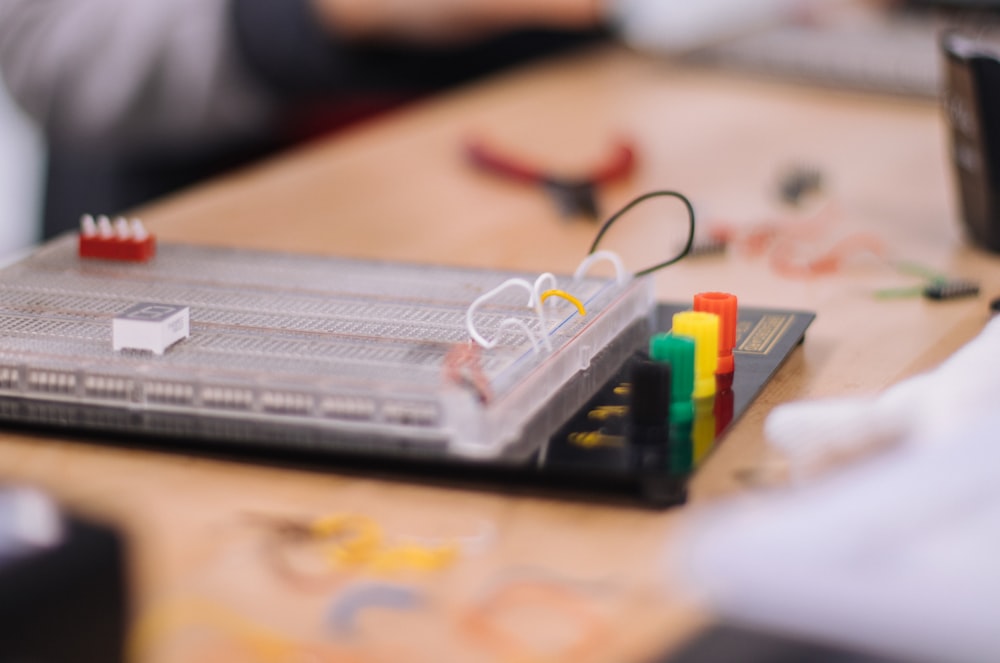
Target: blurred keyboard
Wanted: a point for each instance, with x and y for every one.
(893, 52)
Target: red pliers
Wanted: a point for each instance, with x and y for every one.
(575, 196)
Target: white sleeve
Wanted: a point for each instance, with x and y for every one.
(129, 74)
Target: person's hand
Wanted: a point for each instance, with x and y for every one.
(435, 21)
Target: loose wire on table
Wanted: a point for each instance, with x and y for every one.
(485, 622)
(346, 608)
(613, 219)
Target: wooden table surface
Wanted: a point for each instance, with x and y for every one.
(536, 579)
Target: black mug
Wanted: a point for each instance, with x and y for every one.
(972, 106)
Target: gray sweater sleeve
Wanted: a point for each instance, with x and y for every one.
(141, 76)
(131, 75)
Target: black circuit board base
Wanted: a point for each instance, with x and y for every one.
(591, 457)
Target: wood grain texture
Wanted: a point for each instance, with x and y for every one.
(399, 189)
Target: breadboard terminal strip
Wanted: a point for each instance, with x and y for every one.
(303, 351)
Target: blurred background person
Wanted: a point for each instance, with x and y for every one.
(138, 98)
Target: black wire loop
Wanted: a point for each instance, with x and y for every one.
(641, 199)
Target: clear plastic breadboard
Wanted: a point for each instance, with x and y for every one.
(305, 351)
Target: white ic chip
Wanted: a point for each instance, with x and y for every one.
(153, 327)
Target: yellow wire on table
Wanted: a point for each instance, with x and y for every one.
(564, 295)
(168, 619)
(362, 545)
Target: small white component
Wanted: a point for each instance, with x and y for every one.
(88, 226)
(139, 231)
(104, 227)
(153, 327)
(122, 229)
